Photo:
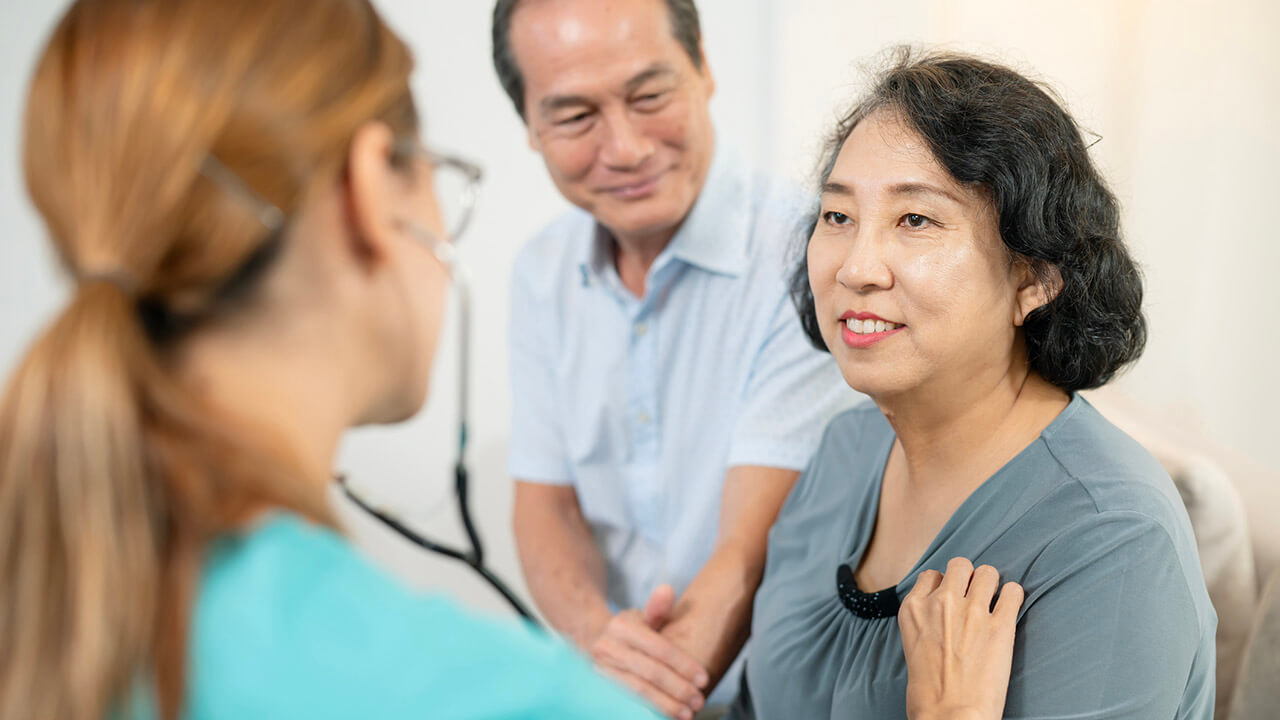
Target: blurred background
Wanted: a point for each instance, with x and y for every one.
(1183, 97)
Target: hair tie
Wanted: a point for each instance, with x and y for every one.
(119, 279)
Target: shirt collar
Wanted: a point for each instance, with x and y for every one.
(713, 235)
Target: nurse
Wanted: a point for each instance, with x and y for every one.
(239, 192)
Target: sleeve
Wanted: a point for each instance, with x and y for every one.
(537, 451)
(489, 668)
(791, 393)
(1109, 628)
(323, 635)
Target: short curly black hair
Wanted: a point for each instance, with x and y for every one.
(997, 131)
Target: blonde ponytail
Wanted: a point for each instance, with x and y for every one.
(80, 521)
(113, 477)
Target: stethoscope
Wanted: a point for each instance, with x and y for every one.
(447, 254)
(474, 557)
(274, 219)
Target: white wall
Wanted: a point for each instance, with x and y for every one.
(1185, 99)
(29, 285)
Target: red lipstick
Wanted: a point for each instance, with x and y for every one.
(862, 340)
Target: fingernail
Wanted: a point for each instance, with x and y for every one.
(686, 714)
(702, 680)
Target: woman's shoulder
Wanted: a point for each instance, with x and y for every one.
(1114, 495)
(292, 621)
(1117, 473)
(856, 429)
(285, 566)
(847, 463)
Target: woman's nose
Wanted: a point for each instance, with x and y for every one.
(865, 265)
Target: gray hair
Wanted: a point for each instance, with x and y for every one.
(684, 26)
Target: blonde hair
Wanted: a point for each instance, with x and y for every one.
(112, 477)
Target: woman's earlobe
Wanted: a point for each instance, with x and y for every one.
(368, 189)
(1036, 289)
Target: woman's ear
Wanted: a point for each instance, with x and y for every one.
(371, 191)
(1035, 289)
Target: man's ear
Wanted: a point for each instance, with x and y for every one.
(532, 136)
(1035, 289)
(706, 72)
(370, 190)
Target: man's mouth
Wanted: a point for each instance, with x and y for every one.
(635, 190)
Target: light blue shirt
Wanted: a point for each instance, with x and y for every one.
(643, 404)
(290, 622)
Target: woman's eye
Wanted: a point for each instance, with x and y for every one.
(912, 220)
(835, 218)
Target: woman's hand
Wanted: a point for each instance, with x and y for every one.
(959, 651)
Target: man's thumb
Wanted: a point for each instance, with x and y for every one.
(657, 611)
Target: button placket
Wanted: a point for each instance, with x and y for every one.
(642, 390)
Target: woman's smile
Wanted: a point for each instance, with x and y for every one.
(865, 329)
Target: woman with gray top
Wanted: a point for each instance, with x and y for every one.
(966, 271)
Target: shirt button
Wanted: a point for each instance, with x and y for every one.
(643, 418)
(640, 329)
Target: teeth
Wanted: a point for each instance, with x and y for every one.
(868, 327)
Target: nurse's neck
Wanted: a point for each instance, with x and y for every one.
(260, 382)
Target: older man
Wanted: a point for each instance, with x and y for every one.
(664, 397)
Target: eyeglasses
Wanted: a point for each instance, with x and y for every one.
(457, 184)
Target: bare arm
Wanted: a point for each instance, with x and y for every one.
(561, 563)
(566, 574)
(713, 618)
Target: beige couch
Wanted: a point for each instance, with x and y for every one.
(1257, 689)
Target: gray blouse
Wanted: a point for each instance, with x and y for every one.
(1116, 623)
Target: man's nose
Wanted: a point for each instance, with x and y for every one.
(626, 147)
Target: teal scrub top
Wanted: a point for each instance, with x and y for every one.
(291, 622)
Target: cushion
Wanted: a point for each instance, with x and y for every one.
(1257, 695)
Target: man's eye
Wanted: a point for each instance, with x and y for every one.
(649, 101)
(913, 220)
(573, 119)
(835, 218)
